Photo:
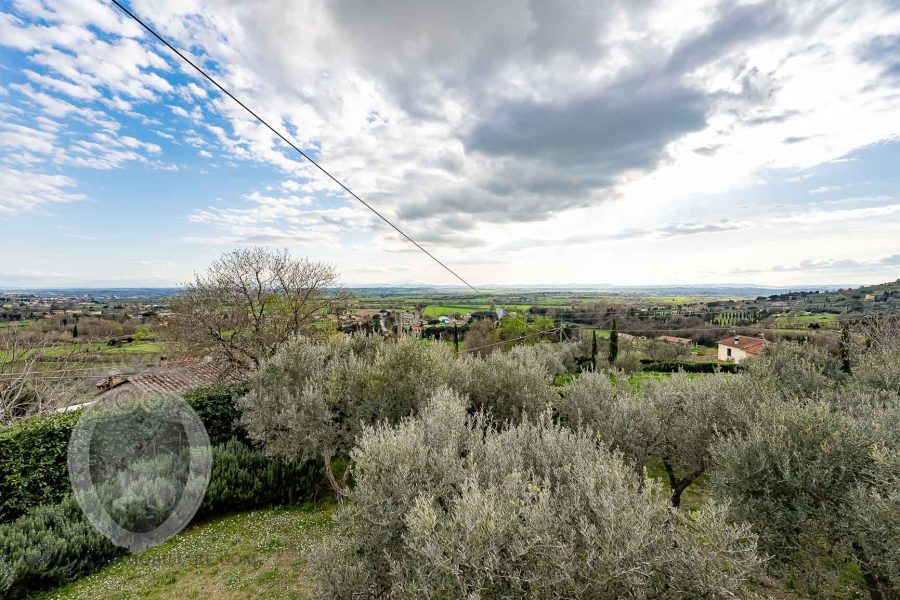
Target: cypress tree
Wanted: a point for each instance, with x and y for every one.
(594, 349)
(844, 348)
(613, 343)
(75, 331)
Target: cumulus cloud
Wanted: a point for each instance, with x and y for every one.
(529, 118)
(834, 212)
(836, 265)
(463, 118)
(29, 192)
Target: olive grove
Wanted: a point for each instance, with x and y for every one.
(446, 505)
(476, 476)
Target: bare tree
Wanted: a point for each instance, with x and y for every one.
(35, 376)
(482, 337)
(248, 302)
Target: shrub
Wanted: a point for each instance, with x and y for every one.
(310, 400)
(446, 506)
(217, 408)
(47, 546)
(33, 466)
(817, 485)
(243, 478)
(506, 385)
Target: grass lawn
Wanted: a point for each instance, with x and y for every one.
(437, 310)
(258, 554)
(145, 347)
(434, 311)
(74, 349)
(803, 321)
(23, 323)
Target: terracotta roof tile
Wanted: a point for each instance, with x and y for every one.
(751, 345)
(182, 378)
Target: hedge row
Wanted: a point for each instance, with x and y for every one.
(54, 543)
(33, 462)
(243, 478)
(49, 545)
(33, 451)
(690, 367)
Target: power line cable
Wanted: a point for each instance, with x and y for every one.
(296, 148)
(512, 340)
(291, 144)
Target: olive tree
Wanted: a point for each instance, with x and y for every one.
(311, 399)
(506, 386)
(879, 368)
(447, 506)
(482, 338)
(794, 369)
(673, 423)
(871, 523)
(606, 404)
(815, 482)
(248, 302)
(665, 351)
(555, 358)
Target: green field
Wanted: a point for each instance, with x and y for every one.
(803, 321)
(435, 311)
(258, 554)
(146, 348)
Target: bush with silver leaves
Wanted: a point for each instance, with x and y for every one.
(310, 400)
(508, 386)
(447, 506)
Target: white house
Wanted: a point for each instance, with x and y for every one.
(738, 348)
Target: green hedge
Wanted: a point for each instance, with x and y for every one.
(243, 478)
(53, 544)
(691, 367)
(217, 408)
(33, 469)
(49, 545)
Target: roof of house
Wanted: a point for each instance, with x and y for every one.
(176, 379)
(750, 345)
(674, 339)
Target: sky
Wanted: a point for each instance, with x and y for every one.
(521, 142)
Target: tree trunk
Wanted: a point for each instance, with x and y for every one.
(872, 584)
(335, 485)
(678, 484)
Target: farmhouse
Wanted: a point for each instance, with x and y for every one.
(738, 348)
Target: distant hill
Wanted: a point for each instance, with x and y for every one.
(868, 299)
(723, 289)
(94, 292)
